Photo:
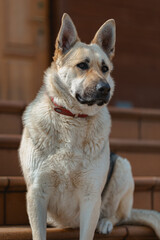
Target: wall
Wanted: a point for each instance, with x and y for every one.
(137, 60)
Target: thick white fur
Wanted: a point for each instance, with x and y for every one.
(65, 160)
(65, 163)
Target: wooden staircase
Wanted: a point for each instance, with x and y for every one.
(135, 135)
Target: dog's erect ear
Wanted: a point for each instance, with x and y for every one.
(106, 37)
(67, 35)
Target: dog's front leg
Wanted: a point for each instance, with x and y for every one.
(37, 201)
(89, 215)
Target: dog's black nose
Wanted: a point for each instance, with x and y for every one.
(103, 87)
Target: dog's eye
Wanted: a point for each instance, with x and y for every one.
(83, 65)
(104, 69)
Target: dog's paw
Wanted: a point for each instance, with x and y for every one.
(104, 226)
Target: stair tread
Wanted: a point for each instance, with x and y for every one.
(135, 112)
(19, 106)
(135, 145)
(119, 232)
(13, 141)
(138, 152)
(13, 191)
(10, 140)
(8, 183)
(132, 123)
(12, 106)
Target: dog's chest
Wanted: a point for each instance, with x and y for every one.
(80, 137)
(70, 146)
(77, 150)
(64, 206)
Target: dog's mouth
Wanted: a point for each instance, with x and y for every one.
(90, 102)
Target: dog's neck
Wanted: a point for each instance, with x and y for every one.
(64, 111)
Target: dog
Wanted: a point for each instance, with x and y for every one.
(64, 151)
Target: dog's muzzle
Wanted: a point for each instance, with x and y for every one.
(99, 96)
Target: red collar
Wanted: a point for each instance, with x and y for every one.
(64, 111)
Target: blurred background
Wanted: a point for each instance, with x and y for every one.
(28, 30)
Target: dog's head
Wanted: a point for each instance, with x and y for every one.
(85, 69)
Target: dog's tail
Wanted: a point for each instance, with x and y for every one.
(149, 218)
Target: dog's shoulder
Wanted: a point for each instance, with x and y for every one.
(38, 111)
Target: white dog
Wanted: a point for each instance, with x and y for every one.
(64, 152)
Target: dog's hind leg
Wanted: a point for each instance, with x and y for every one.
(117, 198)
(37, 202)
(118, 211)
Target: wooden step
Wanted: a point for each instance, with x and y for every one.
(134, 123)
(9, 161)
(13, 200)
(120, 233)
(10, 117)
(144, 155)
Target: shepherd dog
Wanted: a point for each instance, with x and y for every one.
(72, 179)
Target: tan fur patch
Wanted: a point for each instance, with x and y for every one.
(92, 78)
